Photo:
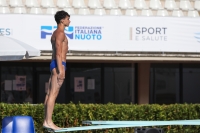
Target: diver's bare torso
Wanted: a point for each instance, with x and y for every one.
(64, 46)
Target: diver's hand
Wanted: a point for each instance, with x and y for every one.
(60, 78)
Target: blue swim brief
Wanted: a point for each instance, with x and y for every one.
(53, 65)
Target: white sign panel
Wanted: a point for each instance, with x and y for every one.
(108, 33)
(91, 84)
(20, 83)
(79, 84)
(8, 85)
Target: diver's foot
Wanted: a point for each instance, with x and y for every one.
(51, 126)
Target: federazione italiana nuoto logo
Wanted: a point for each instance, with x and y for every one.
(75, 32)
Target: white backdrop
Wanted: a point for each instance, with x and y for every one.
(108, 33)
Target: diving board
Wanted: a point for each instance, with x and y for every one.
(94, 127)
(125, 124)
(153, 123)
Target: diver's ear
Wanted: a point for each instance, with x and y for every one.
(61, 20)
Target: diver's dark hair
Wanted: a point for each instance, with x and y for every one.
(60, 15)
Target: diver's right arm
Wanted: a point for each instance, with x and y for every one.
(58, 47)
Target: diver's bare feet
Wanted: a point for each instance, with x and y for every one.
(51, 125)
